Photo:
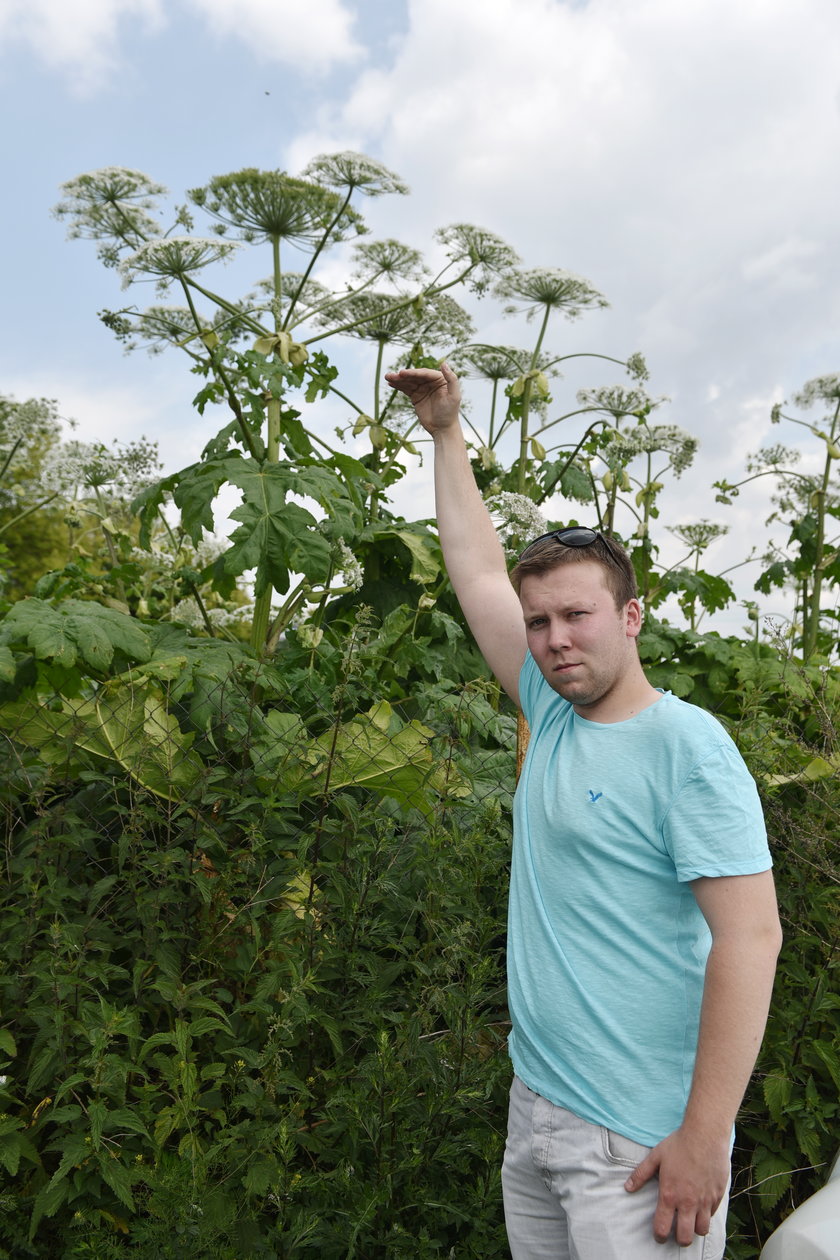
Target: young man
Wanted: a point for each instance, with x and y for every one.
(643, 928)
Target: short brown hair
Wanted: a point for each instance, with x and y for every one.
(550, 553)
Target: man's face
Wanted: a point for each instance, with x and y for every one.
(583, 645)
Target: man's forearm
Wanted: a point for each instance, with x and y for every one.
(472, 552)
(468, 537)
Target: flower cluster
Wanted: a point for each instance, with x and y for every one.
(348, 169)
(188, 613)
(173, 257)
(824, 389)
(647, 439)
(549, 287)
(78, 466)
(519, 519)
(619, 400)
(637, 367)
(114, 205)
(349, 566)
(698, 535)
(776, 456)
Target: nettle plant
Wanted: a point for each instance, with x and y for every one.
(313, 527)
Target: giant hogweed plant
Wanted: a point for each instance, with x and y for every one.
(808, 503)
(263, 357)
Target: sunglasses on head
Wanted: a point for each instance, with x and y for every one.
(573, 536)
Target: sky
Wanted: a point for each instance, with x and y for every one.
(682, 155)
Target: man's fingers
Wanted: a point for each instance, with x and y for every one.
(417, 384)
(663, 1221)
(688, 1226)
(703, 1223)
(642, 1173)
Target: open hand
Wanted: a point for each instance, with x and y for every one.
(693, 1176)
(436, 395)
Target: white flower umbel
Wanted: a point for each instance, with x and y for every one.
(620, 400)
(188, 613)
(519, 520)
(646, 439)
(698, 535)
(80, 466)
(171, 258)
(115, 206)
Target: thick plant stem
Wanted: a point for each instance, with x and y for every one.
(522, 476)
(259, 625)
(262, 604)
(812, 610)
(522, 473)
(373, 511)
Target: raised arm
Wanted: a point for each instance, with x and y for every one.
(471, 549)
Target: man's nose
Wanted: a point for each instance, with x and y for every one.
(558, 636)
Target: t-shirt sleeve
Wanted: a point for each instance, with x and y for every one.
(715, 825)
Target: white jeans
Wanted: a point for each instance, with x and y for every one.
(563, 1183)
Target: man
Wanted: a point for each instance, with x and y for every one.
(643, 929)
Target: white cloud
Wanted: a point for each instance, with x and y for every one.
(313, 36)
(783, 265)
(80, 40)
(85, 40)
(656, 146)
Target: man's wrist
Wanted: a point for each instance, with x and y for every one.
(707, 1130)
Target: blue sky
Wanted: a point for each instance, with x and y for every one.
(682, 156)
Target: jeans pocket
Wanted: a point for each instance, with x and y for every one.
(622, 1150)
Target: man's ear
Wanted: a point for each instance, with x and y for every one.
(633, 618)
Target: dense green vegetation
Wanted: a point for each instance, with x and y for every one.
(256, 792)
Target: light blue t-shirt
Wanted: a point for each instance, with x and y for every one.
(607, 946)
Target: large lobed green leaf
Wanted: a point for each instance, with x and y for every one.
(75, 631)
(373, 751)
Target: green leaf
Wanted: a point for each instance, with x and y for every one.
(425, 566)
(828, 1053)
(47, 1202)
(261, 1174)
(8, 664)
(75, 630)
(10, 1151)
(680, 683)
(771, 1178)
(7, 1043)
(777, 1092)
(123, 1119)
(817, 768)
(97, 1112)
(275, 537)
(369, 752)
(144, 737)
(117, 1176)
(195, 491)
(127, 723)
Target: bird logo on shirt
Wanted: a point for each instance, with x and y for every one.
(594, 797)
